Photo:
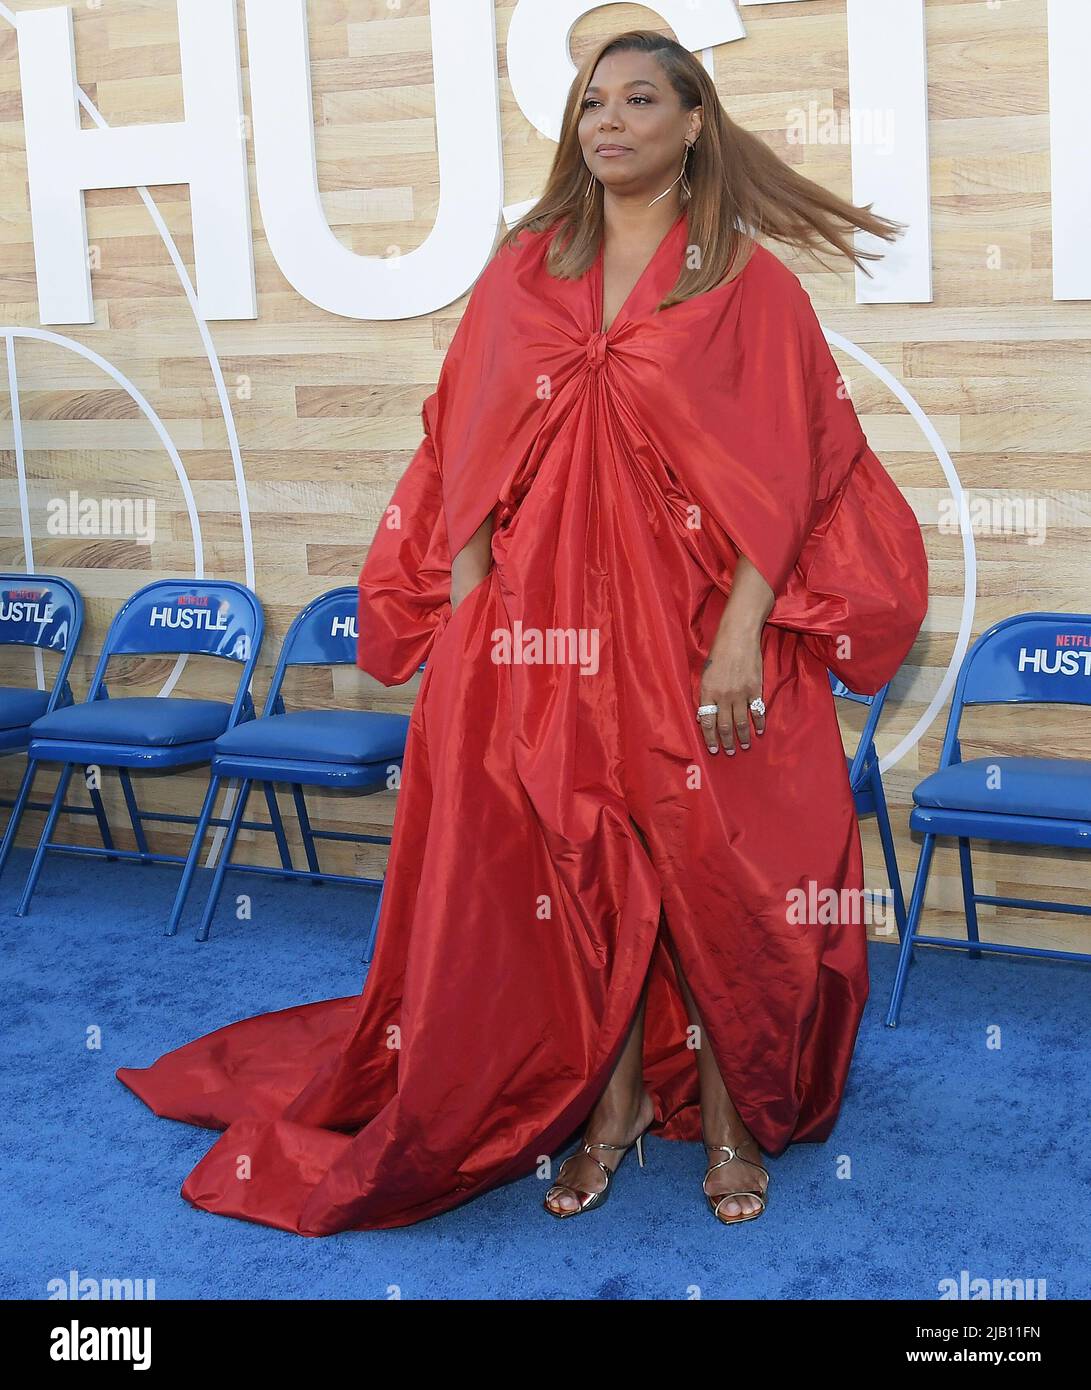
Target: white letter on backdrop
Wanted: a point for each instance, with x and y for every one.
(207, 151)
(460, 243)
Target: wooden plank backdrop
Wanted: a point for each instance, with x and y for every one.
(328, 409)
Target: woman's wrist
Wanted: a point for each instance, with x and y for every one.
(736, 625)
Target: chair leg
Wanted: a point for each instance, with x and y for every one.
(134, 812)
(21, 799)
(916, 903)
(278, 830)
(968, 894)
(191, 857)
(374, 929)
(309, 846)
(222, 864)
(101, 818)
(886, 839)
(46, 836)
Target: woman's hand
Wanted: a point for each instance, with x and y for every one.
(731, 679)
(733, 672)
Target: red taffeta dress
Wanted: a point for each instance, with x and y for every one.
(626, 471)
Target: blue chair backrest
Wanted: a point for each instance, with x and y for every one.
(43, 611)
(322, 634)
(40, 610)
(867, 735)
(1029, 658)
(208, 617)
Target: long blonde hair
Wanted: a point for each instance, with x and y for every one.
(740, 189)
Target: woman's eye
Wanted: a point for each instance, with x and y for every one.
(636, 96)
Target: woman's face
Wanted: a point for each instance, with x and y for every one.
(633, 128)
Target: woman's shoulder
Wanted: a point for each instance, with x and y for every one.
(526, 248)
(775, 287)
(509, 256)
(759, 262)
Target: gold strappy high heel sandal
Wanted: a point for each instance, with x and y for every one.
(715, 1202)
(589, 1200)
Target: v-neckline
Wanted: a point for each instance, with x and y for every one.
(600, 278)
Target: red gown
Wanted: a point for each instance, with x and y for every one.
(555, 721)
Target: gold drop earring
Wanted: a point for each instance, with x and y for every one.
(686, 190)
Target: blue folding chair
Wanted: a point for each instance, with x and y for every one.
(45, 612)
(357, 750)
(168, 618)
(866, 782)
(1031, 658)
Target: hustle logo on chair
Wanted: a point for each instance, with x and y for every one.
(25, 606)
(1062, 660)
(190, 612)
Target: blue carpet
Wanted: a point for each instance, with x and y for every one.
(949, 1156)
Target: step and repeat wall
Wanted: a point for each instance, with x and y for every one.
(236, 240)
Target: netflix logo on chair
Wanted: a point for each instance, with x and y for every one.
(190, 613)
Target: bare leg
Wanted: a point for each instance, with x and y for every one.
(624, 1110)
(720, 1121)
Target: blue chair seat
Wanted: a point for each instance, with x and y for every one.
(1056, 788)
(329, 736)
(147, 721)
(20, 705)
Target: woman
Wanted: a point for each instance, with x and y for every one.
(642, 526)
